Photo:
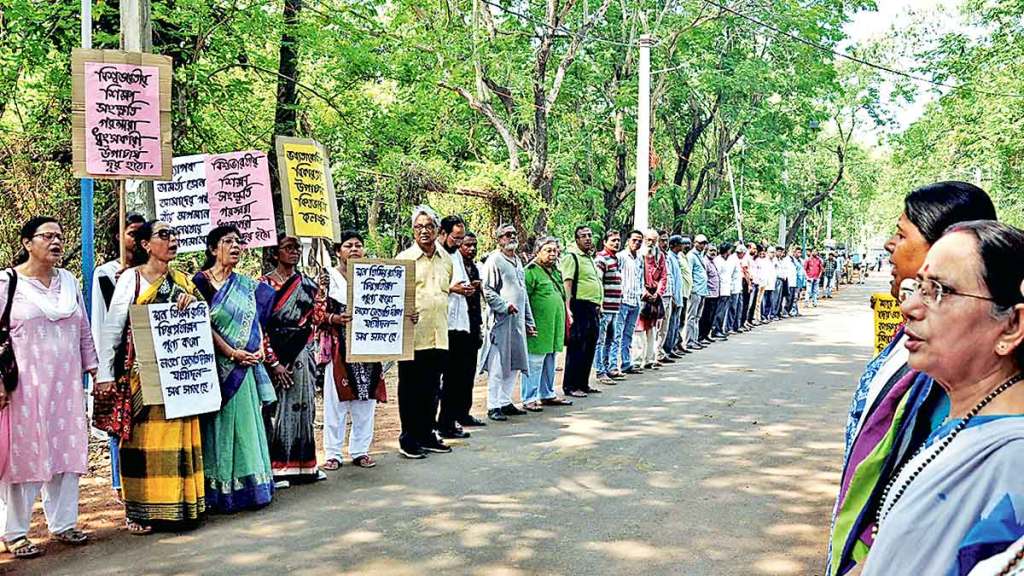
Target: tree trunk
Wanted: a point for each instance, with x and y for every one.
(286, 111)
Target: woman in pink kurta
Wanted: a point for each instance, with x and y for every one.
(43, 430)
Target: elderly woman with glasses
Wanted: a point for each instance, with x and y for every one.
(161, 459)
(44, 436)
(960, 498)
(889, 402)
(546, 291)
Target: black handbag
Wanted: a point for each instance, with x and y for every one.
(8, 364)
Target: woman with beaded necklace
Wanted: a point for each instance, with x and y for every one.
(958, 499)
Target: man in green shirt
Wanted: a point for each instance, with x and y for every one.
(584, 291)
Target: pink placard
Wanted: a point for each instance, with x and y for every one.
(239, 188)
(122, 120)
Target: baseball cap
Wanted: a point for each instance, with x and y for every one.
(700, 238)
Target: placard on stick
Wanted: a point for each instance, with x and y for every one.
(175, 356)
(120, 115)
(887, 319)
(381, 293)
(183, 202)
(309, 202)
(239, 189)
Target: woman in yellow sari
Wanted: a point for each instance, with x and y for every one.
(161, 459)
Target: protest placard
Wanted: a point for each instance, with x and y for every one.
(183, 203)
(381, 293)
(309, 204)
(887, 319)
(121, 115)
(239, 190)
(175, 356)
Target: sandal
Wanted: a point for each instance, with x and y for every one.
(533, 407)
(72, 536)
(23, 548)
(331, 464)
(556, 402)
(136, 529)
(364, 461)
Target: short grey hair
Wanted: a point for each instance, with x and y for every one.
(544, 241)
(424, 209)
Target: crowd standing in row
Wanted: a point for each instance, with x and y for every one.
(613, 311)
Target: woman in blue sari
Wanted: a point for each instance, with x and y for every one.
(960, 498)
(235, 453)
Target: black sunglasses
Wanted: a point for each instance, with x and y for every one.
(166, 233)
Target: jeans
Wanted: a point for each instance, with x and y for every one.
(539, 384)
(767, 305)
(738, 313)
(672, 336)
(812, 291)
(722, 314)
(628, 315)
(781, 292)
(794, 301)
(605, 360)
(693, 319)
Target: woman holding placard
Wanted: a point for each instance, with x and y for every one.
(44, 436)
(161, 459)
(236, 459)
(289, 355)
(349, 388)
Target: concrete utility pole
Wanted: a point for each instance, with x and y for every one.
(86, 213)
(643, 136)
(137, 36)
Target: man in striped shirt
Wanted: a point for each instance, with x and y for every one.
(609, 337)
(632, 266)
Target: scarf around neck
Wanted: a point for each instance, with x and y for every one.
(67, 300)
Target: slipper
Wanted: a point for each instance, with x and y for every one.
(364, 461)
(556, 402)
(331, 465)
(533, 407)
(23, 548)
(72, 536)
(578, 394)
(136, 529)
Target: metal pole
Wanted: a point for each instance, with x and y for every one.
(643, 136)
(137, 36)
(87, 204)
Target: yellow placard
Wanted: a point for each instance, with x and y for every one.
(887, 319)
(308, 189)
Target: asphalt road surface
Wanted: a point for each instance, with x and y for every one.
(724, 463)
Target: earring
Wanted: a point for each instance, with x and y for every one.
(1002, 348)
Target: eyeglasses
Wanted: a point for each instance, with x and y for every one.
(166, 233)
(233, 241)
(50, 236)
(932, 292)
(424, 227)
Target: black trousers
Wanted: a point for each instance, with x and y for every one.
(457, 389)
(419, 384)
(707, 317)
(579, 356)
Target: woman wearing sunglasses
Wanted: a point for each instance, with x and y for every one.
(161, 459)
(958, 500)
(884, 412)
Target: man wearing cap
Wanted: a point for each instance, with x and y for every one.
(585, 292)
(511, 319)
(680, 291)
(700, 291)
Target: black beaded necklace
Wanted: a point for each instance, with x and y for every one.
(883, 510)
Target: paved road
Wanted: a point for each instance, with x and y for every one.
(723, 464)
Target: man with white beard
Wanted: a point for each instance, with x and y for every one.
(505, 353)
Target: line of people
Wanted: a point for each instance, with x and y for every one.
(278, 337)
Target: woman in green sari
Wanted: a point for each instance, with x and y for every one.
(235, 453)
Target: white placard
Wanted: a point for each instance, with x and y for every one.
(378, 303)
(183, 202)
(185, 358)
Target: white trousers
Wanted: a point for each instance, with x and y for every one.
(60, 504)
(652, 343)
(336, 412)
(499, 384)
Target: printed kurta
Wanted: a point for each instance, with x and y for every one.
(43, 431)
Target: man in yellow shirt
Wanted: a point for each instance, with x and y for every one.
(419, 379)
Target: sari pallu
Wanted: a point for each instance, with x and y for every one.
(965, 506)
(235, 451)
(356, 380)
(161, 460)
(297, 309)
